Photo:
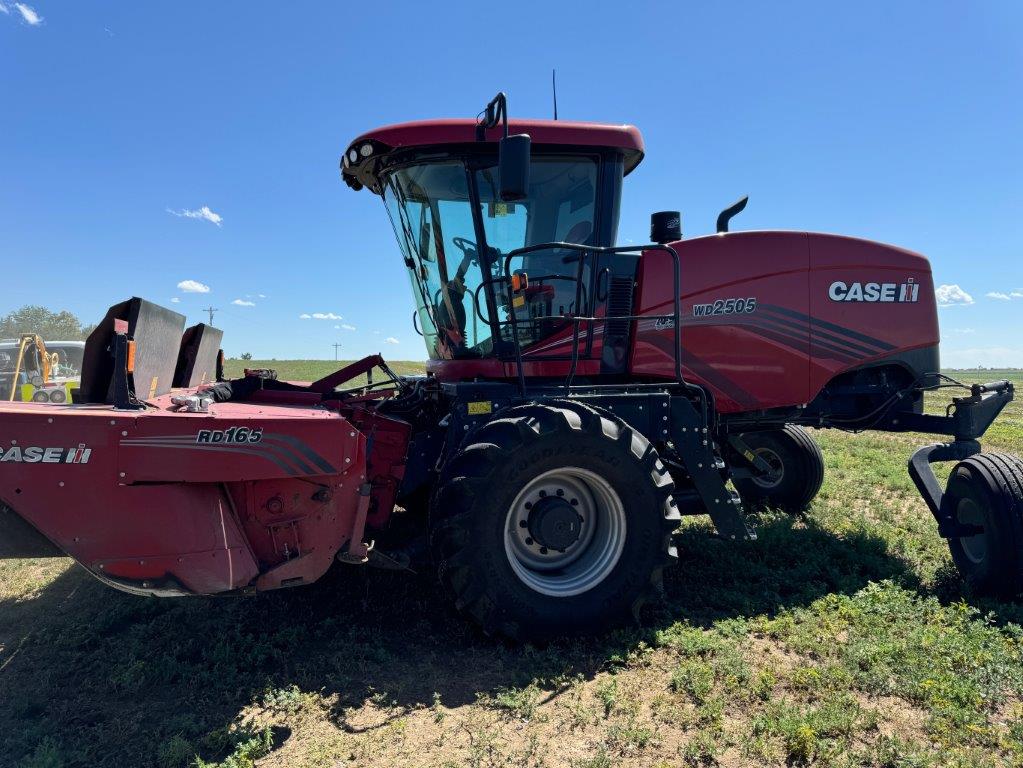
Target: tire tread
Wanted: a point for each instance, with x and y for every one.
(513, 428)
(1002, 478)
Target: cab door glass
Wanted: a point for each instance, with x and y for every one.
(561, 207)
(433, 221)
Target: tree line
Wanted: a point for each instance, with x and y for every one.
(52, 326)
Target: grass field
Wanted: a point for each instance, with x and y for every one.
(841, 637)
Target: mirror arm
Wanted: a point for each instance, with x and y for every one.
(495, 111)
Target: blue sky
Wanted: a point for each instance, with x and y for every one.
(898, 122)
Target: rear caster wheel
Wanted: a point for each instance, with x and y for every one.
(797, 469)
(986, 491)
(556, 520)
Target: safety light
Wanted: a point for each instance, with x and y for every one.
(353, 155)
(366, 150)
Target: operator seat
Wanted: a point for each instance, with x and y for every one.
(552, 298)
(580, 233)
(561, 262)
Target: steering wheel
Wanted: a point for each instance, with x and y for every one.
(465, 246)
(470, 256)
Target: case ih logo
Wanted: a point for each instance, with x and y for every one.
(896, 293)
(232, 435)
(35, 454)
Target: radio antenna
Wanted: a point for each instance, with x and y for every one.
(554, 88)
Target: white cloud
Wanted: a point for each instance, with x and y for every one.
(998, 295)
(1017, 294)
(203, 213)
(193, 286)
(261, 295)
(243, 303)
(323, 316)
(963, 330)
(376, 333)
(391, 340)
(28, 14)
(305, 316)
(952, 296)
(345, 327)
(175, 300)
(4, 8)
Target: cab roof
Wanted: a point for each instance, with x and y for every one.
(431, 133)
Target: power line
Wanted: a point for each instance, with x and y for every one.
(211, 309)
(336, 346)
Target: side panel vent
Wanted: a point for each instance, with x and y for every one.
(619, 304)
(616, 333)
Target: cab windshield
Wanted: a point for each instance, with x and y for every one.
(454, 233)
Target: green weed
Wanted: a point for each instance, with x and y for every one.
(607, 694)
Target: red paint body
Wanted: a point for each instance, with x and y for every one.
(423, 133)
(772, 357)
(781, 354)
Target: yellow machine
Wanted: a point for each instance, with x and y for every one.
(29, 374)
(52, 392)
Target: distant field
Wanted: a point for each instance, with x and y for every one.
(840, 638)
(311, 370)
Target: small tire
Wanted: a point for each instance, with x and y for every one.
(987, 490)
(798, 464)
(479, 531)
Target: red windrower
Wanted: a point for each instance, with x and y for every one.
(581, 396)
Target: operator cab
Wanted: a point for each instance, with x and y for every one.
(442, 188)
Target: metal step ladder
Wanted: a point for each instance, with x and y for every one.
(695, 446)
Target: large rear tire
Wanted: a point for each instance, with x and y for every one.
(555, 520)
(986, 490)
(797, 464)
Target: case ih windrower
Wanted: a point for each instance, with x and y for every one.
(580, 397)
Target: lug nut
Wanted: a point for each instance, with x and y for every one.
(529, 542)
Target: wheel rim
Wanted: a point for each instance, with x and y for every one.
(594, 552)
(974, 547)
(776, 475)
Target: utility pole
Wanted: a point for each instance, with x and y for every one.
(211, 309)
(336, 348)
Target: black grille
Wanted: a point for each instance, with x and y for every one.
(619, 304)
